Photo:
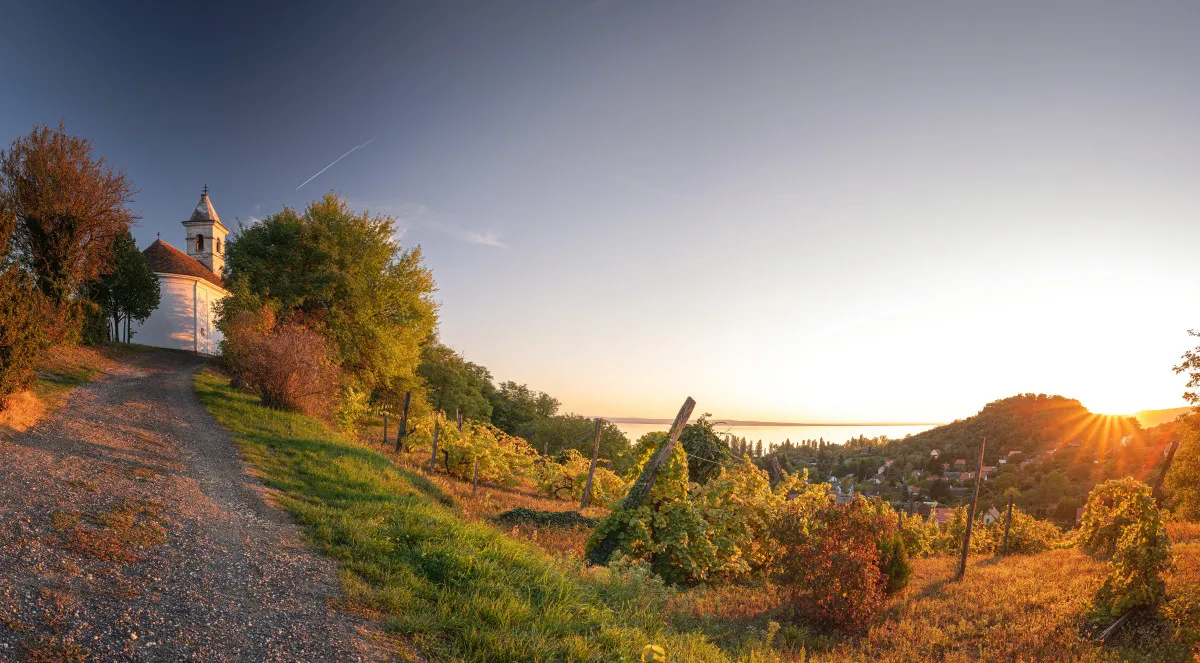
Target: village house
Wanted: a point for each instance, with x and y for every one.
(991, 515)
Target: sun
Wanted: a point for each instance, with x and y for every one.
(1111, 404)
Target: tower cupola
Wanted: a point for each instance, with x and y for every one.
(206, 235)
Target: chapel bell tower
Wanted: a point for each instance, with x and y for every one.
(206, 235)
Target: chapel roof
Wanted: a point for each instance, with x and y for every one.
(166, 259)
(204, 212)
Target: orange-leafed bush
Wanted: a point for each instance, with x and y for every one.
(289, 369)
(842, 568)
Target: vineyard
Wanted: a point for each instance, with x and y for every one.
(734, 569)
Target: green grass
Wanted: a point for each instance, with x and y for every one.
(455, 590)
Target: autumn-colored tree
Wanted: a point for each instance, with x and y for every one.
(69, 208)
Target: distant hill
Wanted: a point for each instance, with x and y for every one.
(1152, 418)
(1055, 450)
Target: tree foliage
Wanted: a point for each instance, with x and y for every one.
(455, 384)
(516, 408)
(24, 312)
(69, 208)
(555, 434)
(344, 276)
(130, 291)
(1181, 483)
(1191, 366)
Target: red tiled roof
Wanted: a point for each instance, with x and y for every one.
(167, 259)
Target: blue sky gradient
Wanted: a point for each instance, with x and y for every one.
(825, 211)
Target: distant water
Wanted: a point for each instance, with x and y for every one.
(777, 434)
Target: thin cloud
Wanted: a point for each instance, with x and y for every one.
(414, 215)
(348, 153)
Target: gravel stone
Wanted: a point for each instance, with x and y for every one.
(231, 580)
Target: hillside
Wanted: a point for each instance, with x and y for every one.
(1152, 418)
(1050, 449)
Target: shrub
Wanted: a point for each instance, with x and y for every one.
(842, 570)
(1028, 535)
(289, 369)
(503, 458)
(566, 476)
(1124, 526)
(23, 316)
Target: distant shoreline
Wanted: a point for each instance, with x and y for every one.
(739, 422)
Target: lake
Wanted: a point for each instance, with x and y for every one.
(777, 434)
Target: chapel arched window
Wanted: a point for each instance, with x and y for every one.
(199, 242)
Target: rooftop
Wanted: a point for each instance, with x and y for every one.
(166, 259)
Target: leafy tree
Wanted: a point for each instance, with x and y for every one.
(572, 431)
(455, 384)
(69, 208)
(130, 291)
(515, 407)
(345, 276)
(1191, 366)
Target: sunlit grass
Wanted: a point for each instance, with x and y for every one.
(456, 590)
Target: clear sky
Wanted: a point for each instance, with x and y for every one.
(833, 211)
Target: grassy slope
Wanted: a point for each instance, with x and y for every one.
(460, 590)
(456, 590)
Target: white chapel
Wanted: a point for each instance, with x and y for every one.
(190, 284)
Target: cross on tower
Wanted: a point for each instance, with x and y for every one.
(205, 189)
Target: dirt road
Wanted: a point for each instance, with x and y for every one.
(129, 532)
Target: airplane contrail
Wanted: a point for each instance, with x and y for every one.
(351, 151)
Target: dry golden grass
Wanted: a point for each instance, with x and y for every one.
(1182, 531)
(61, 369)
(114, 536)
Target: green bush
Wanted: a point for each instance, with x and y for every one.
(1124, 526)
(23, 331)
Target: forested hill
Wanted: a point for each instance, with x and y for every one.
(1049, 449)
(1029, 423)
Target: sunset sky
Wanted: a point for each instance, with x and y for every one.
(849, 211)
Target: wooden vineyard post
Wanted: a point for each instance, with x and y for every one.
(437, 420)
(1007, 524)
(475, 478)
(385, 436)
(587, 487)
(962, 560)
(640, 491)
(403, 422)
(1157, 492)
(458, 416)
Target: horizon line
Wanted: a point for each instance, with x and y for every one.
(740, 422)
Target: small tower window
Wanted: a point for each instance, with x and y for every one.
(217, 242)
(199, 242)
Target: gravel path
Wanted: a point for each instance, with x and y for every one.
(129, 532)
